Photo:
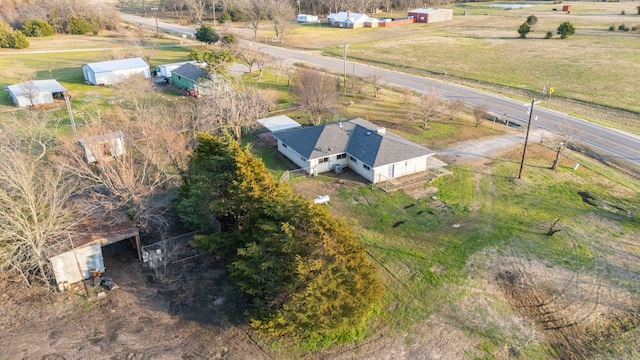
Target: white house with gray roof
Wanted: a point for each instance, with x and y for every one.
(367, 149)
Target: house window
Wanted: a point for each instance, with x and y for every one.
(303, 159)
(320, 161)
(353, 159)
(342, 156)
(366, 167)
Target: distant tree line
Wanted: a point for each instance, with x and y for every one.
(45, 17)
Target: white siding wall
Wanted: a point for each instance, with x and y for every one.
(116, 76)
(361, 170)
(113, 77)
(89, 75)
(65, 267)
(293, 156)
(403, 168)
(41, 98)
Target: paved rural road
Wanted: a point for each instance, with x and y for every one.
(611, 142)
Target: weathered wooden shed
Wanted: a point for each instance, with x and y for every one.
(103, 147)
(111, 72)
(76, 258)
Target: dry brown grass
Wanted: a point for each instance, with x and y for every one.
(595, 66)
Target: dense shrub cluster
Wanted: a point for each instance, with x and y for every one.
(9, 38)
(207, 34)
(36, 28)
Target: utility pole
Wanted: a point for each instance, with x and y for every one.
(345, 68)
(526, 138)
(155, 14)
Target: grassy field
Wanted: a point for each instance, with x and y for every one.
(61, 57)
(440, 255)
(595, 66)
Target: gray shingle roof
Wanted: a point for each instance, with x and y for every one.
(190, 71)
(357, 137)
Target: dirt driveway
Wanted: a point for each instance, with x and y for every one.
(474, 151)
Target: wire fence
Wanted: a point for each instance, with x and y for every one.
(292, 174)
(160, 256)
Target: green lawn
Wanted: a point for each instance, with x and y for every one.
(434, 253)
(66, 66)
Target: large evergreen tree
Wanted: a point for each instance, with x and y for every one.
(305, 270)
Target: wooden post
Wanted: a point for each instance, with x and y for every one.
(86, 289)
(138, 246)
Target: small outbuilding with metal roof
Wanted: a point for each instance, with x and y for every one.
(75, 259)
(279, 123)
(35, 92)
(111, 72)
(430, 15)
(188, 76)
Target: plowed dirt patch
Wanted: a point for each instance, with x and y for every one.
(577, 314)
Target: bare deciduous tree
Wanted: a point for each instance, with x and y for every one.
(253, 11)
(139, 183)
(424, 108)
(317, 93)
(196, 9)
(407, 96)
(479, 114)
(33, 130)
(234, 108)
(284, 69)
(455, 107)
(361, 6)
(135, 93)
(250, 54)
(35, 215)
(282, 16)
(375, 79)
(559, 142)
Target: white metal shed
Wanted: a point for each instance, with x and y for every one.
(111, 72)
(35, 92)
